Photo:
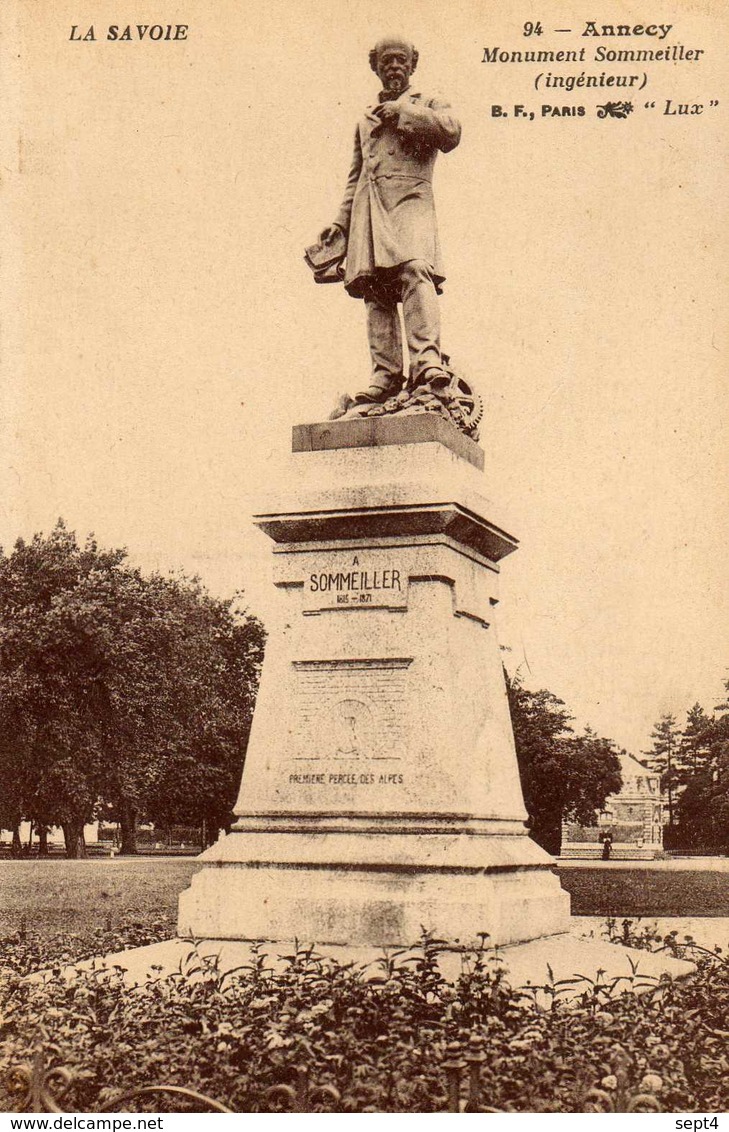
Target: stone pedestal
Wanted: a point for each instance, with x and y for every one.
(380, 792)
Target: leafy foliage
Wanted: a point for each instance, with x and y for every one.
(694, 743)
(381, 1038)
(113, 686)
(563, 776)
(694, 766)
(702, 806)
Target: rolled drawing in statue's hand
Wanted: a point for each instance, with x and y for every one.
(329, 234)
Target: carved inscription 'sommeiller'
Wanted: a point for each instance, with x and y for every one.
(356, 582)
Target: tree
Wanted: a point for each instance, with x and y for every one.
(702, 809)
(197, 780)
(563, 776)
(694, 743)
(11, 792)
(662, 758)
(113, 683)
(50, 764)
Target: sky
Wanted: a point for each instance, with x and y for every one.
(161, 333)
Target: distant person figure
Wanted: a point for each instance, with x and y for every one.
(607, 846)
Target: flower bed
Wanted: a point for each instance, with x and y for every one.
(384, 1044)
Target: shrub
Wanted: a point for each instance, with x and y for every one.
(381, 1040)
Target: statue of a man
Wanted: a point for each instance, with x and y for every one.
(388, 218)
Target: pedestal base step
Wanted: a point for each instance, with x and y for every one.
(567, 954)
(375, 890)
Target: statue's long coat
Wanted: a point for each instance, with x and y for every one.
(387, 210)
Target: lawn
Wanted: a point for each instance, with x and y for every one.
(646, 892)
(76, 896)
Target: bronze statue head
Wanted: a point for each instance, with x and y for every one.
(393, 59)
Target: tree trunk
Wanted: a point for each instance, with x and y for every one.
(73, 835)
(42, 840)
(16, 849)
(128, 823)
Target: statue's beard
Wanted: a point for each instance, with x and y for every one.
(396, 83)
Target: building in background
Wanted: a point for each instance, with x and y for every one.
(633, 818)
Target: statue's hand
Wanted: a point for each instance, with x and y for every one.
(388, 113)
(329, 234)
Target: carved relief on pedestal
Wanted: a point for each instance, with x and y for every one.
(351, 709)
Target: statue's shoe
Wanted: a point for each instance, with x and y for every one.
(432, 380)
(437, 380)
(377, 395)
(343, 405)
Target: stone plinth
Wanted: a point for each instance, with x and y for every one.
(379, 432)
(380, 792)
(536, 963)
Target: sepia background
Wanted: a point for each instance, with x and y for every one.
(161, 333)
